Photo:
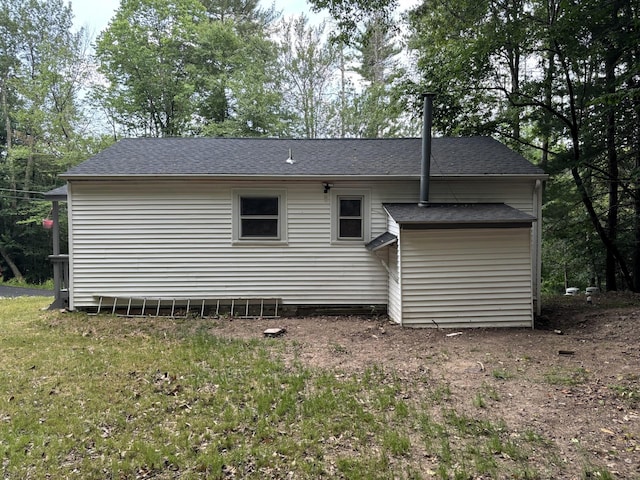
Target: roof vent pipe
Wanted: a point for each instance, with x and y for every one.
(290, 159)
(426, 149)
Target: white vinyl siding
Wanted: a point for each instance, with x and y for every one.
(394, 307)
(466, 278)
(174, 239)
(515, 193)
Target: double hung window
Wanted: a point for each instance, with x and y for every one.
(259, 216)
(350, 218)
(350, 212)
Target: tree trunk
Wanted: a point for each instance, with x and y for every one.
(343, 93)
(547, 118)
(14, 268)
(636, 203)
(636, 251)
(9, 132)
(635, 187)
(612, 167)
(602, 233)
(29, 168)
(7, 119)
(574, 125)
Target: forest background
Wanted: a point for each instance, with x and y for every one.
(556, 80)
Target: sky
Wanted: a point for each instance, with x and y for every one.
(92, 15)
(95, 15)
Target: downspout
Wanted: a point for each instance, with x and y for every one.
(425, 166)
(538, 245)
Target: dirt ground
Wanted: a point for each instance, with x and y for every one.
(574, 379)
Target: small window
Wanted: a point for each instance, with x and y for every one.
(350, 218)
(259, 217)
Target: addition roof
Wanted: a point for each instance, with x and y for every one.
(457, 215)
(260, 157)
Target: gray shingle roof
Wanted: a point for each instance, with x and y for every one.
(459, 214)
(381, 241)
(57, 194)
(328, 157)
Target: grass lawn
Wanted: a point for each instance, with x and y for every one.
(108, 397)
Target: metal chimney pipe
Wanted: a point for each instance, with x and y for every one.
(425, 169)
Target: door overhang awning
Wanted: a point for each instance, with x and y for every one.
(381, 241)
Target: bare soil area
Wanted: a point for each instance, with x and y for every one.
(574, 379)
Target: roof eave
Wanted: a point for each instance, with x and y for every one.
(295, 176)
(466, 224)
(530, 176)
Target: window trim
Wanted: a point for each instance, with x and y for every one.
(338, 194)
(281, 238)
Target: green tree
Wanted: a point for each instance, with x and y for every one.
(350, 15)
(477, 55)
(239, 89)
(183, 67)
(309, 65)
(471, 54)
(246, 14)
(342, 109)
(378, 107)
(556, 80)
(144, 54)
(43, 68)
(593, 61)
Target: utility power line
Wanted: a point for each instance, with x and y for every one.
(20, 191)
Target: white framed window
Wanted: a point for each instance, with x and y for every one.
(350, 216)
(259, 216)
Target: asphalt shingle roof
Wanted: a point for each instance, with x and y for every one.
(59, 193)
(381, 241)
(443, 214)
(325, 157)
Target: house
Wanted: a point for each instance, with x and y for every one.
(333, 223)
